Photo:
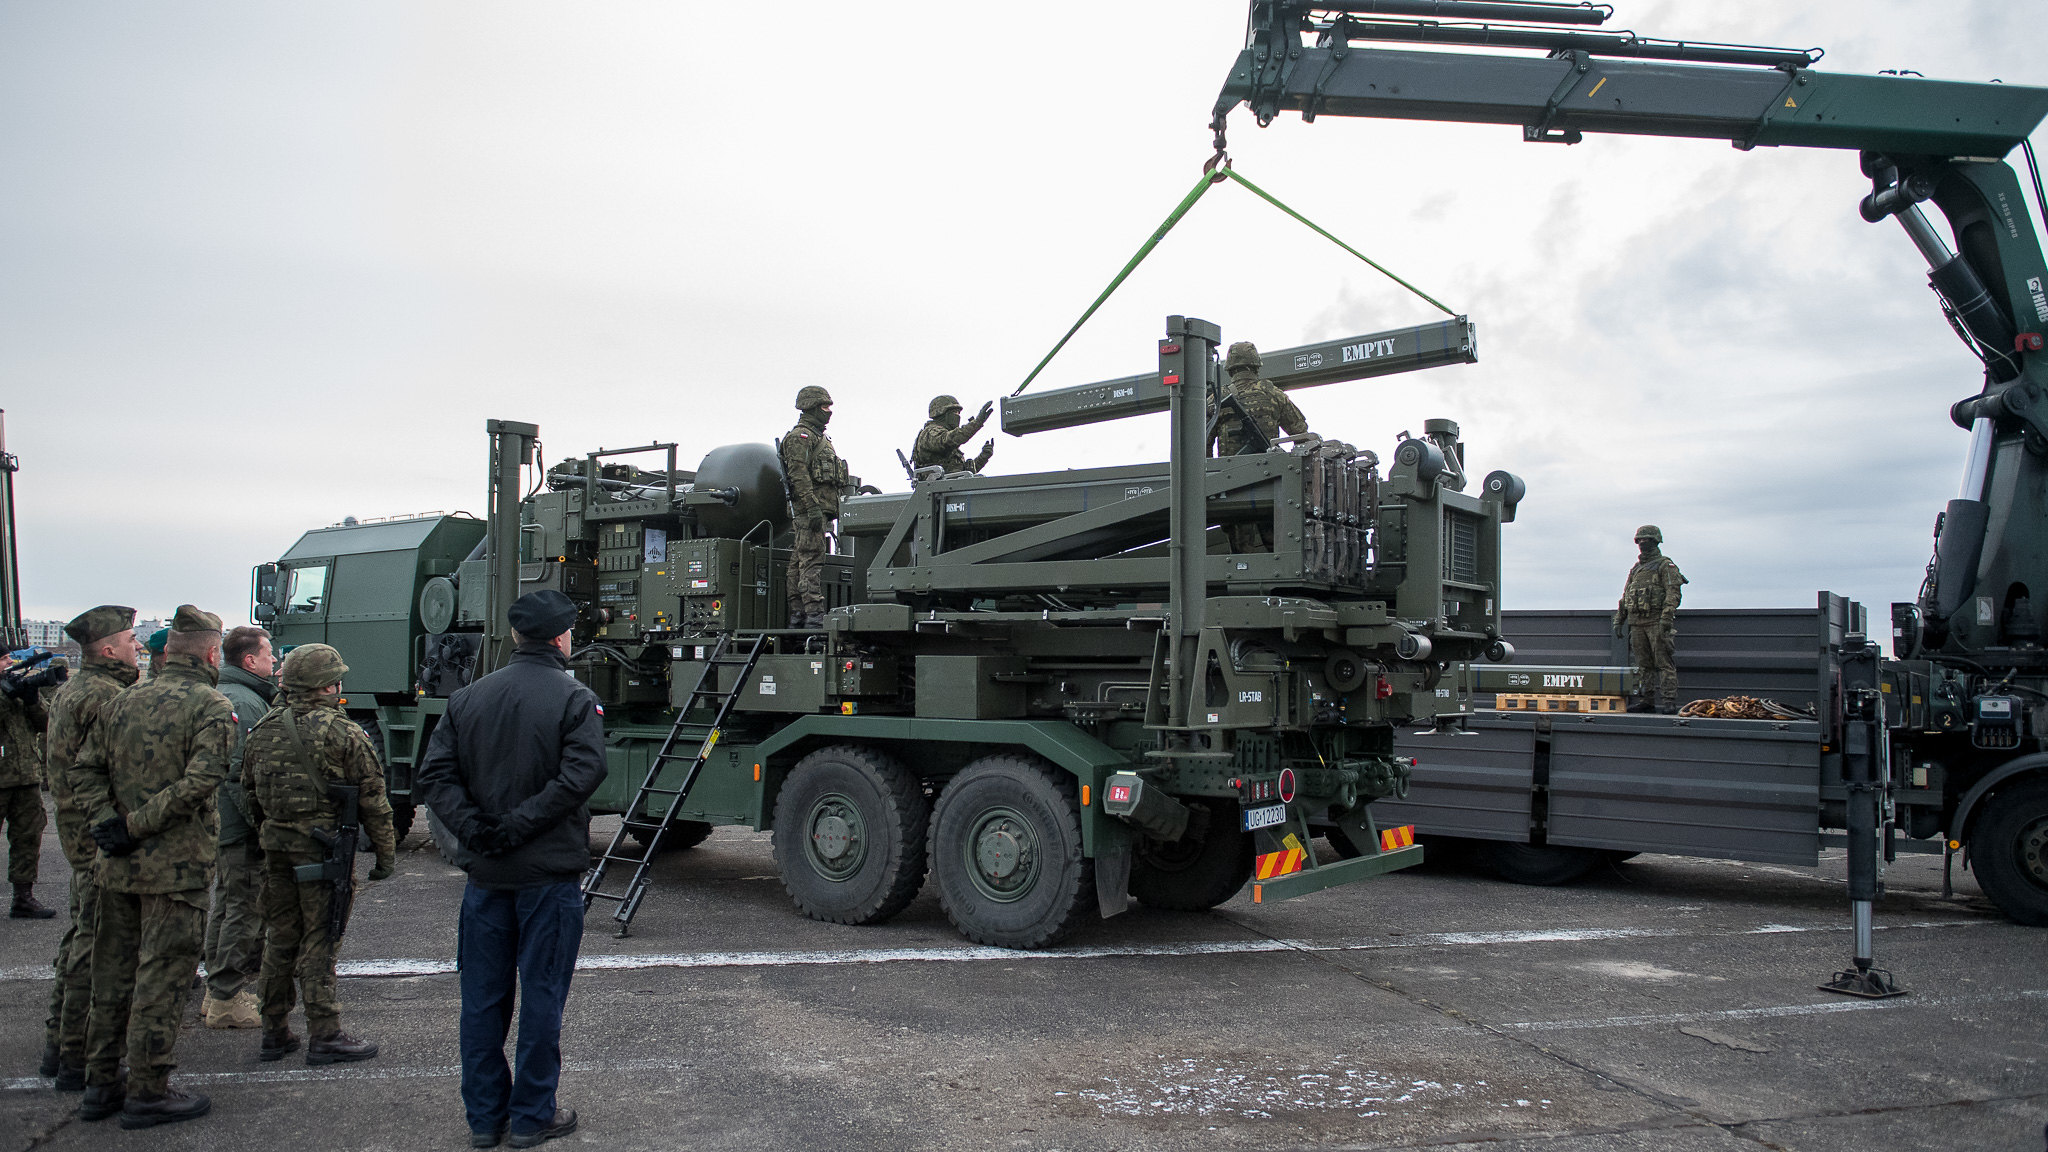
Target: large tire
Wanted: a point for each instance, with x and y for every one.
(2009, 852)
(680, 835)
(849, 835)
(1195, 874)
(401, 820)
(1006, 853)
(1545, 865)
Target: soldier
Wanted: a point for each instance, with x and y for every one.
(291, 757)
(1649, 612)
(155, 647)
(1271, 410)
(22, 723)
(817, 477)
(148, 775)
(940, 440)
(234, 928)
(106, 639)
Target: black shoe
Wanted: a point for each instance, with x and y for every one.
(27, 907)
(488, 1139)
(340, 1048)
(102, 1100)
(277, 1044)
(49, 1066)
(563, 1124)
(70, 1079)
(1642, 706)
(169, 1108)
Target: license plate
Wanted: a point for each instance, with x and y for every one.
(1255, 818)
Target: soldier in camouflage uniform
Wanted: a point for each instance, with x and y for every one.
(1270, 410)
(148, 776)
(106, 637)
(1649, 613)
(938, 443)
(817, 477)
(22, 723)
(290, 758)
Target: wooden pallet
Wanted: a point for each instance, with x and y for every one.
(1545, 702)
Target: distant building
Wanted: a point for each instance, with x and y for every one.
(45, 633)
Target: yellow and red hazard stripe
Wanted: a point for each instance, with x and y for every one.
(1282, 863)
(1393, 838)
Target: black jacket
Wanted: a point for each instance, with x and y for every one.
(524, 744)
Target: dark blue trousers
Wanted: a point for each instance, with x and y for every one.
(522, 941)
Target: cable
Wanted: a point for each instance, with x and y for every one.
(2040, 202)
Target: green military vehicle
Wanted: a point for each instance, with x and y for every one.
(1044, 691)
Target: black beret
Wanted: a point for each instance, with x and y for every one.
(542, 615)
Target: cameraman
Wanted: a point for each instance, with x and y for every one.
(22, 724)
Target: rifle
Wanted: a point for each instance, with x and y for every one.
(339, 869)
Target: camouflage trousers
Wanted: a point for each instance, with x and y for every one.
(1654, 653)
(234, 929)
(22, 808)
(145, 949)
(806, 572)
(71, 995)
(297, 948)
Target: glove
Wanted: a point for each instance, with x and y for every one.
(988, 449)
(482, 832)
(815, 521)
(252, 852)
(981, 417)
(113, 837)
(382, 871)
(869, 490)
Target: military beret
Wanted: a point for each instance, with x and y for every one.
(542, 615)
(157, 639)
(311, 667)
(96, 624)
(190, 619)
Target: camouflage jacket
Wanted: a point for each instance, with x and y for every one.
(1650, 598)
(816, 473)
(22, 723)
(1268, 407)
(288, 797)
(938, 444)
(156, 757)
(73, 715)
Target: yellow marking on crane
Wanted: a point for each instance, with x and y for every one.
(1596, 88)
(1789, 103)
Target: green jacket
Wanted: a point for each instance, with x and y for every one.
(1268, 407)
(251, 695)
(156, 758)
(816, 473)
(22, 723)
(288, 798)
(1650, 597)
(73, 714)
(938, 444)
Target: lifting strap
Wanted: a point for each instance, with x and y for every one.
(1226, 172)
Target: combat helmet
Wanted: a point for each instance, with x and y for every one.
(311, 667)
(1652, 532)
(941, 405)
(811, 396)
(1243, 354)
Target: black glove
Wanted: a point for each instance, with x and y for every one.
(981, 417)
(112, 836)
(482, 835)
(252, 852)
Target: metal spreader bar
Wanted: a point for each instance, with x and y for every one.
(656, 826)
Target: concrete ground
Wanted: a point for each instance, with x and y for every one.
(1664, 1004)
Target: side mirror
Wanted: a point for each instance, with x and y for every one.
(263, 594)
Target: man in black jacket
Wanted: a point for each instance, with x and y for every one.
(508, 774)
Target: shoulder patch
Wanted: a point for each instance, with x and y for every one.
(599, 707)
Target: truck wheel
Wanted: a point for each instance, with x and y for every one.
(849, 835)
(681, 834)
(2009, 851)
(1541, 864)
(401, 821)
(1190, 874)
(1006, 852)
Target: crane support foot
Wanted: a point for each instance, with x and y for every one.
(1866, 982)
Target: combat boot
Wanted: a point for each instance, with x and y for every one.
(169, 1107)
(237, 1011)
(1643, 704)
(26, 906)
(102, 1100)
(814, 620)
(278, 1043)
(49, 1065)
(338, 1048)
(563, 1124)
(796, 619)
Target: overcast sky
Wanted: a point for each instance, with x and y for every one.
(272, 265)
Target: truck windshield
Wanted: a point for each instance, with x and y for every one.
(309, 589)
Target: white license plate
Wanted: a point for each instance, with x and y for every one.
(1255, 818)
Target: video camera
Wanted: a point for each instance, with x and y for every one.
(34, 670)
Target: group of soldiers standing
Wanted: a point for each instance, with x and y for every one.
(1253, 414)
(197, 790)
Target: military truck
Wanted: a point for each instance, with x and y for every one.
(1044, 691)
